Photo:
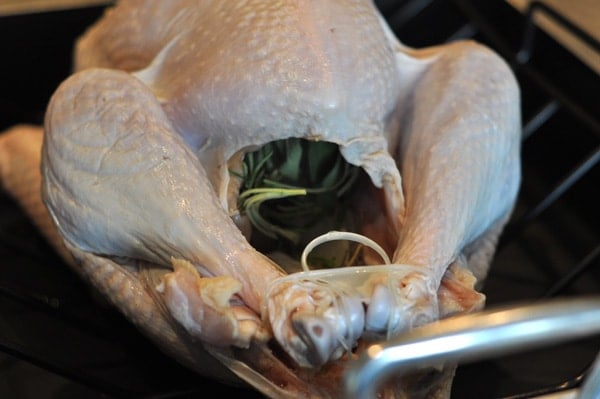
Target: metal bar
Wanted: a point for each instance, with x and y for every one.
(466, 31)
(585, 117)
(577, 271)
(541, 117)
(505, 49)
(565, 184)
(501, 45)
(524, 54)
(473, 337)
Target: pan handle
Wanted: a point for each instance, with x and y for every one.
(478, 336)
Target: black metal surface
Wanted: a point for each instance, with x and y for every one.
(52, 322)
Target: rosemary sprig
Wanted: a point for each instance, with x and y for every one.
(252, 200)
(289, 186)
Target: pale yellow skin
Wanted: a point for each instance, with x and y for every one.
(166, 96)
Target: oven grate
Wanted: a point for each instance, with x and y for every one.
(52, 325)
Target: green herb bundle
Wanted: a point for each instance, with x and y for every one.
(294, 188)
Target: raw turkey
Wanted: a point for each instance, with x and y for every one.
(139, 172)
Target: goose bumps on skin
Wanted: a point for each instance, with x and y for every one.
(141, 161)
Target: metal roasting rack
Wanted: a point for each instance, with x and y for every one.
(479, 336)
(59, 340)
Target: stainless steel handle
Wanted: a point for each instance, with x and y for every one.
(478, 336)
